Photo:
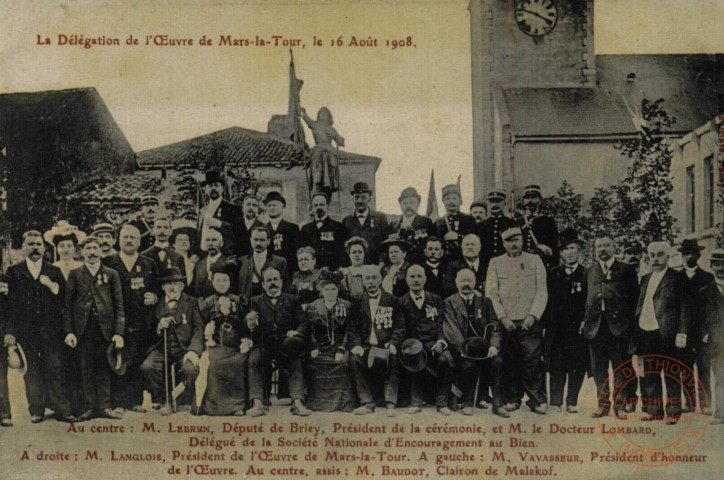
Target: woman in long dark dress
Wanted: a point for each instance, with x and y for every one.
(226, 392)
(329, 385)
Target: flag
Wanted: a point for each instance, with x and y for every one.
(295, 108)
(432, 199)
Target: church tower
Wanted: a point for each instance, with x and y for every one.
(521, 44)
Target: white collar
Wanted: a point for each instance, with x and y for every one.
(467, 299)
(34, 267)
(320, 220)
(161, 244)
(606, 266)
(214, 204)
(128, 258)
(274, 222)
(364, 214)
(91, 269)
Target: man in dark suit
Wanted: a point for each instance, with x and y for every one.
(324, 235)
(249, 220)
(284, 234)
(662, 317)
(712, 311)
(466, 315)
(412, 227)
(35, 292)
(490, 229)
(694, 353)
(612, 291)
(454, 225)
(379, 323)
(423, 320)
(144, 222)
(274, 316)
(540, 233)
(220, 214)
(139, 284)
(162, 253)
(212, 244)
(178, 314)
(251, 266)
(5, 417)
(94, 316)
(434, 266)
(470, 247)
(365, 222)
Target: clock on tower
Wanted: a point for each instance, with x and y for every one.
(536, 17)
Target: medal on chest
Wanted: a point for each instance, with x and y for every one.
(137, 283)
(278, 239)
(4, 289)
(327, 236)
(383, 317)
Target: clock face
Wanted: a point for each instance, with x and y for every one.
(536, 17)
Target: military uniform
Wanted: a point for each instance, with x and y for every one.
(543, 229)
(146, 229)
(489, 231)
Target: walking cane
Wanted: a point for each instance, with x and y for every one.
(165, 364)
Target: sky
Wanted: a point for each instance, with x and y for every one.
(410, 106)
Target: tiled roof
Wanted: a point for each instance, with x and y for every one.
(689, 84)
(121, 189)
(234, 145)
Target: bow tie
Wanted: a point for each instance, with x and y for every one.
(418, 298)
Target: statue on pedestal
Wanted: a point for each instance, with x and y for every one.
(324, 161)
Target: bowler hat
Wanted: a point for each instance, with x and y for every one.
(690, 245)
(378, 357)
(116, 359)
(532, 191)
(294, 347)
(16, 358)
(361, 187)
(275, 196)
(409, 192)
(475, 348)
(412, 355)
(171, 274)
(212, 176)
(451, 189)
(496, 195)
(569, 236)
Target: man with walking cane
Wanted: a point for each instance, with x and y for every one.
(176, 324)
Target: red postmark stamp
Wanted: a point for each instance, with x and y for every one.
(651, 437)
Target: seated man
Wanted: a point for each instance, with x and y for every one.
(273, 318)
(377, 322)
(465, 316)
(176, 315)
(423, 319)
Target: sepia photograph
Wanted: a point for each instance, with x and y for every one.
(451, 239)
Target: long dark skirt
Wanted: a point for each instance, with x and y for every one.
(329, 385)
(226, 381)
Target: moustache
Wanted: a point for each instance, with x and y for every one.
(273, 285)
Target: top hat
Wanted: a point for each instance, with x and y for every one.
(395, 239)
(104, 227)
(690, 245)
(275, 196)
(532, 191)
(569, 236)
(294, 347)
(450, 189)
(149, 198)
(224, 266)
(409, 192)
(717, 255)
(62, 230)
(511, 232)
(413, 356)
(475, 348)
(171, 274)
(361, 187)
(496, 195)
(479, 203)
(212, 176)
(16, 358)
(116, 359)
(378, 357)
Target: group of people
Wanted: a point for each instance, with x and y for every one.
(468, 311)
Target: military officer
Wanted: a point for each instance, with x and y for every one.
(540, 234)
(144, 222)
(489, 230)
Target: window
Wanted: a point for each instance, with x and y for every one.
(690, 200)
(710, 190)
